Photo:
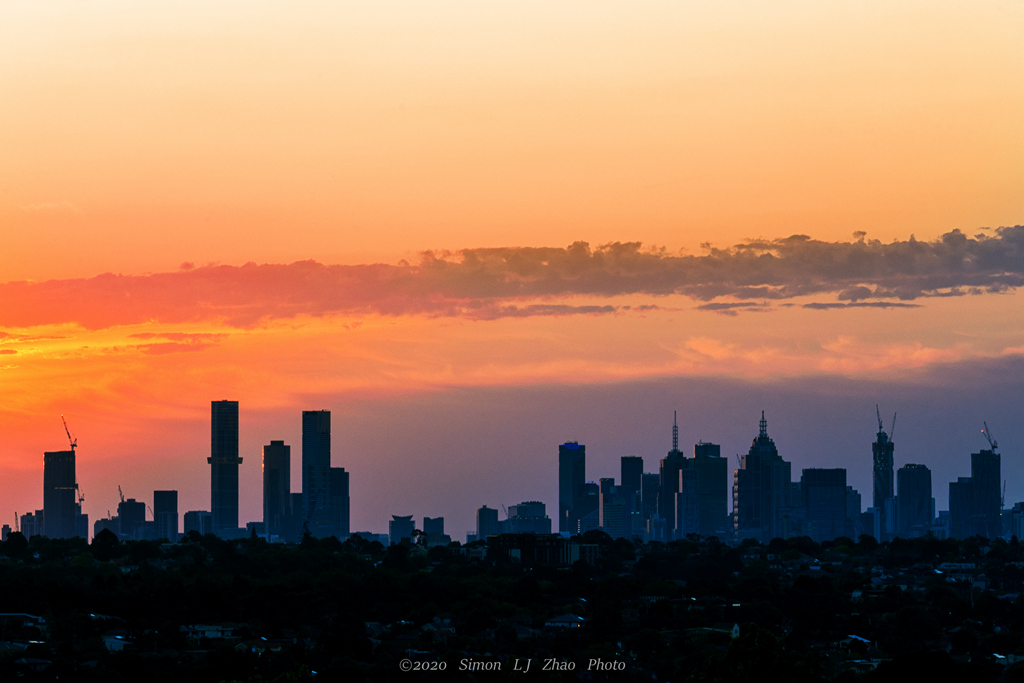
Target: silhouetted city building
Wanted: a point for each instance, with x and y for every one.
(615, 507)
(200, 521)
(572, 465)
(433, 526)
(131, 515)
(761, 490)
(650, 491)
(400, 528)
(974, 502)
(224, 462)
(588, 508)
(854, 521)
(486, 523)
(631, 477)
(59, 494)
(316, 472)
(165, 514)
(668, 471)
(882, 499)
(31, 524)
(914, 503)
(707, 494)
(529, 517)
(339, 517)
(824, 497)
(111, 524)
(277, 484)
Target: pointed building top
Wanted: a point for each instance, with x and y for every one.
(675, 431)
(764, 425)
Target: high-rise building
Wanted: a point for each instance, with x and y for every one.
(199, 521)
(615, 506)
(433, 526)
(224, 462)
(631, 477)
(400, 527)
(913, 501)
(572, 465)
(882, 456)
(650, 490)
(529, 517)
(316, 471)
(761, 489)
(339, 512)
(131, 515)
(668, 472)
(165, 514)
(712, 472)
(486, 523)
(277, 484)
(59, 494)
(823, 493)
(974, 501)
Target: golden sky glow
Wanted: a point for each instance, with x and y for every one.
(155, 139)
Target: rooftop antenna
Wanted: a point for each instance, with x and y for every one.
(675, 431)
(764, 425)
(993, 444)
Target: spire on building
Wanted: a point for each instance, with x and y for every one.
(764, 425)
(675, 431)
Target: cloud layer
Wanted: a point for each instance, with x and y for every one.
(515, 281)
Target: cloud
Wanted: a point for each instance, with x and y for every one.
(509, 281)
(7, 352)
(860, 304)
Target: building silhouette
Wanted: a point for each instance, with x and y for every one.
(824, 497)
(631, 474)
(339, 500)
(131, 519)
(761, 489)
(199, 521)
(668, 471)
(650, 491)
(59, 489)
(277, 484)
(615, 509)
(433, 526)
(706, 494)
(529, 517)
(572, 466)
(486, 523)
(915, 507)
(224, 462)
(165, 514)
(882, 498)
(974, 501)
(400, 528)
(316, 472)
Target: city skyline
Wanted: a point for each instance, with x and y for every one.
(474, 231)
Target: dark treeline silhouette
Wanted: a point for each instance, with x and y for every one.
(695, 609)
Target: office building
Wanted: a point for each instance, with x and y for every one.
(316, 472)
(824, 498)
(131, 515)
(224, 462)
(882, 457)
(572, 464)
(339, 511)
(433, 526)
(59, 514)
(668, 471)
(486, 523)
(631, 477)
(277, 484)
(165, 514)
(529, 517)
(400, 528)
(650, 490)
(199, 521)
(914, 502)
(761, 489)
(974, 501)
(711, 479)
(615, 508)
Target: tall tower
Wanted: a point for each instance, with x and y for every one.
(165, 514)
(277, 484)
(669, 484)
(224, 462)
(59, 494)
(882, 452)
(761, 489)
(913, 500)
(572, 465)
(316, 471)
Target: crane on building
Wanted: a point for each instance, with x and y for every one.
(81, 496)
(72, 440)
(992, 443)
(119, 492)
(511, 522)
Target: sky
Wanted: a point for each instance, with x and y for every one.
(476, 230)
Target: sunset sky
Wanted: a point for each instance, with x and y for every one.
(476, 230)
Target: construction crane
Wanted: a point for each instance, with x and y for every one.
(81, 496)
(72, 440)
(511, 523)
(119, 492)
(881, 426)
(892, 429)
(992, 443)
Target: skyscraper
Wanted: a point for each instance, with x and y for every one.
(59, 494)
(486, 523)
(224, 462)
(712, 476)
(339, 513)
(761, 489)
(165, 514)
(572, 464)
(668, 470)
(824, 499)
(882, 454)
(974, 502)
(277, 478)
(913, 500)
(631, 475)
(316, 471)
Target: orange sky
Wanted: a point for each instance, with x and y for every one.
(137, 138)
